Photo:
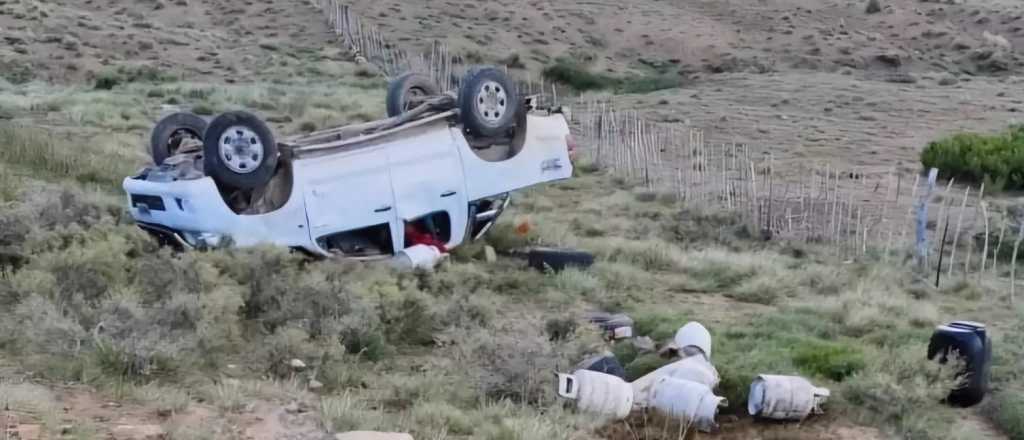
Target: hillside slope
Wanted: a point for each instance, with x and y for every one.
(720, 36)
(72, 40)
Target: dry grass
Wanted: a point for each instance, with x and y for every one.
(348, 413)
(478, 346)
(165, 399)
(459, 353)
(97, 137)
(57, 155)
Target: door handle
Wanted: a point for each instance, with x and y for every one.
(384, 209)
(448, 194)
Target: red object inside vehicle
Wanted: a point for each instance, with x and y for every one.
(570, 142)
(414, 236)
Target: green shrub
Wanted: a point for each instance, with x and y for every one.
(649, 83)
(1007, 411)
(660, 325)
(828, 359)
(579, 77)
(997, 160)
(17, 72)
(642, 365)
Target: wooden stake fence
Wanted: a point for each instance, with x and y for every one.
(854, 211)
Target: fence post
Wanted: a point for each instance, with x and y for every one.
(984, 251)
(999, 244)
(956, 234)
(922, 220)
(1013, 260)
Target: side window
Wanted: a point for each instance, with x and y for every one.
(366, 242)
(432, 229)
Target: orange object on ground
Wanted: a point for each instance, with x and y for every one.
(523, 228)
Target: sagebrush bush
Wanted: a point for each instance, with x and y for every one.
(111, 78)
(1007, 411)
(347, 413)
(442, 417)
(516, 359)
(578, 76)
(903, 389)
(997, 159)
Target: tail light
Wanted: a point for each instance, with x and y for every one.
(570, 143)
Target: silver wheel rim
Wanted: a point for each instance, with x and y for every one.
(241, 150)
(491, 102)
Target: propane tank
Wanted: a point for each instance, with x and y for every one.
(597, 393)
(693, 334)
(420, 256)
(784, 397)
(694, 368)
(690, 401)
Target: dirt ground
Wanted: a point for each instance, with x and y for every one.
(81, 412)
(846, 120)
(716, 35)
(73, 40)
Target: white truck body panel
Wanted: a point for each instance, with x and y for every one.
(347, 191)
(544, 158)
(419, 171)
(202, 209)
(426, 176)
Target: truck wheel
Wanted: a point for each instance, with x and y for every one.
(170, 131)
(488, 102)
(559, 259)
(239, 150)
(408, 91)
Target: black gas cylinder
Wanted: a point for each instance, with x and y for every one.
(971, 342)
(605, 363)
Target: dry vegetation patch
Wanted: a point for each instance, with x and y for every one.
(464, 352)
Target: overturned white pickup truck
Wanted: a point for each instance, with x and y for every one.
(441, 167)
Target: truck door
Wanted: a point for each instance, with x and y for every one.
(426, 173)
(349, 191)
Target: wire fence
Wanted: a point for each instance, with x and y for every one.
(860, 213)
(366, 43)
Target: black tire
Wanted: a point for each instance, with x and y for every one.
(493, 115)
(171, 130)
(248, 170)
(407, 91)
(559, 259)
